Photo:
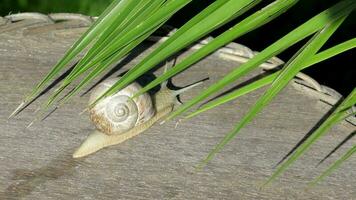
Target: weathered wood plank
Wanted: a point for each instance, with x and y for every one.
(36, 163)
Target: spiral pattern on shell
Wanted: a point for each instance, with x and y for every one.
(118, 113)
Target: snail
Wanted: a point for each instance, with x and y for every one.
(119, 117)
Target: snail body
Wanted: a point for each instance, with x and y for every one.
(120, 117)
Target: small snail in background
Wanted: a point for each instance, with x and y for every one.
(119, 117)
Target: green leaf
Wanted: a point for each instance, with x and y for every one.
(252, 22)
(288, 72)
(334, 166)
(132, 20)
(100, 68)
(235, 94)
(154, 20)
(99, 25)
(326, 54)
(338, 115)
(119, 27)
(342, 47)
(211, 18)
(306, 29)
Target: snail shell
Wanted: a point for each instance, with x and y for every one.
(118, 113)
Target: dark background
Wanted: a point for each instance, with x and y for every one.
(338, 72)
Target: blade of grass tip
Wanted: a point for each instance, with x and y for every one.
(231, 135)
(334, 166)
(324, 55)
(305, 146)
(38, 114)
(78, 46)
(128, 21)
(334, 118)
(306, 29)
(70, 77)
(336, 148)
(208, 20)
(17, 109)
(101, 67)
(288, 72)
(252, 22)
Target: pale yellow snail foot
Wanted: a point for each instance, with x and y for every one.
(98, 140)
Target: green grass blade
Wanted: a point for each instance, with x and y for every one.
(98, 26)
(195, 20)
(116, 25)
(92, 63)
(347, 104)
(306, 29)
(334, 166)
(157, 18)
(235, 94)
(252, 22)
(218, 17)
(342, 47)
(326, 54)
(139, 13)
(334, 118)
(116, 35)
(102, 66)
(287, 73)
(98, 69)
(127, 20)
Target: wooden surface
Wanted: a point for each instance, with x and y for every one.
(36, 163)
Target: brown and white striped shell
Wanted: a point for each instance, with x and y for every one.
(118, 113)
